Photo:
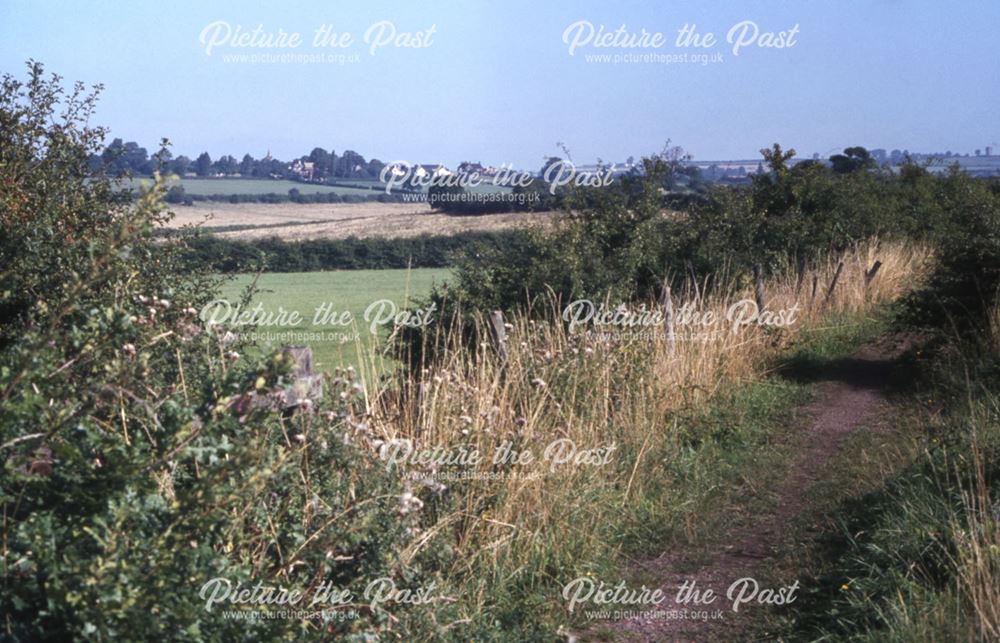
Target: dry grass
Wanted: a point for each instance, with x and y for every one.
(339, 221)
(595, 391)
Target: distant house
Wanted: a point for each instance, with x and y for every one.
(302, 169)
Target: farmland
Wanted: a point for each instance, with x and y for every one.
(227, 186)
(341, 291)
(299, 222)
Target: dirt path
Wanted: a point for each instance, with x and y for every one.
(850, 392)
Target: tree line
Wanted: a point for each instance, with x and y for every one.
(130, 158)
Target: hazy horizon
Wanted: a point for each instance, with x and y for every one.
(501, 85)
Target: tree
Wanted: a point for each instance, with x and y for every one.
(203, 166)
(350, 164)
(227, 165)
(852, 160)
(247, 165)
(321, 162)
(180, 165)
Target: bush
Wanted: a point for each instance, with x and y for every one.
(141, 455)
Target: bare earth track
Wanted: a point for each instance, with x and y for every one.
(850, 394)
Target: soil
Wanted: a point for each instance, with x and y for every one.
(851, 392)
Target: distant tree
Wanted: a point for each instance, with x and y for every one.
(549, 162)
(348, 164)
(180, 165)
(135, 158)
(321, 160)
(852, 160)
(227, 165)
(247, 165)
(375, 168)
(675, 160)
(203, 166)
(777, 160)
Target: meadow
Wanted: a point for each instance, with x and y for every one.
(333, 344)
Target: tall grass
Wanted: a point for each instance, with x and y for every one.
(919, 557)
(521, 530)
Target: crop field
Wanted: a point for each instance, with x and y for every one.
(332, 294)
(300, 221)
(208, 187)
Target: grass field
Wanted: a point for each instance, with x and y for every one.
(353, 291)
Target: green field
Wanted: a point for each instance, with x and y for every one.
(209, 187)
(343, 291)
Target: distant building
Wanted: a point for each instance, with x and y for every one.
(468, 168)
(302, 169)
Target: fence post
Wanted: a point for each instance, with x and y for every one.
(694, 282)
(758, 286)
(305, 384)
(870, 274)
(668, 318)
(499, 334)
(833, 283)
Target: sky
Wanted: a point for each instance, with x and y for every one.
(496, 82)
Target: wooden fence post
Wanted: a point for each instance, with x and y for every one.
(833, 283)
(499, 334)
(694, 283)
(305, 384)
(870, 274)
(758, 286)
(668, 319)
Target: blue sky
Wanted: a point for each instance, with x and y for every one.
(496, 82)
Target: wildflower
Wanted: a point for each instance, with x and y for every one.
(845, 587)
(128, 349)
(539, 382)
(465, 418)
(232, 356)
(356, 388)
(299, 438)
(409, 503)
